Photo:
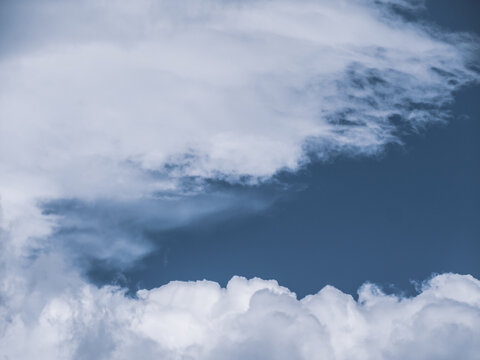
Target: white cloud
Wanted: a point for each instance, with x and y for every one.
(99, 97)
(248, 319)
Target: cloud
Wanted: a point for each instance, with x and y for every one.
(120, 101)
(250, 319)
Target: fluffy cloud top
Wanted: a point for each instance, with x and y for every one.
(250, 319)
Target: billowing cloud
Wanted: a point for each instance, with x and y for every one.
(121, 100)
(249, 319)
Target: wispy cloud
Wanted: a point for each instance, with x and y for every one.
(120, 232)
(96, 96)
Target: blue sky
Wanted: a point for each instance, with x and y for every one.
(400, 216)
(221, 179)
(403, 215)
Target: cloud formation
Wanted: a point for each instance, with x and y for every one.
(249, 319)
(115, 100)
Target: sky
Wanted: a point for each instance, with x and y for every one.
(245, 180)
(416, 203)
(398, 217)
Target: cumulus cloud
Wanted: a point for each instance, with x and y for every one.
(250, 319)
(122, 100)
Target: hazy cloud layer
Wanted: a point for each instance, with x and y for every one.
(248, 319)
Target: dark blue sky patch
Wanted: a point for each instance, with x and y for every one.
(400, 216)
